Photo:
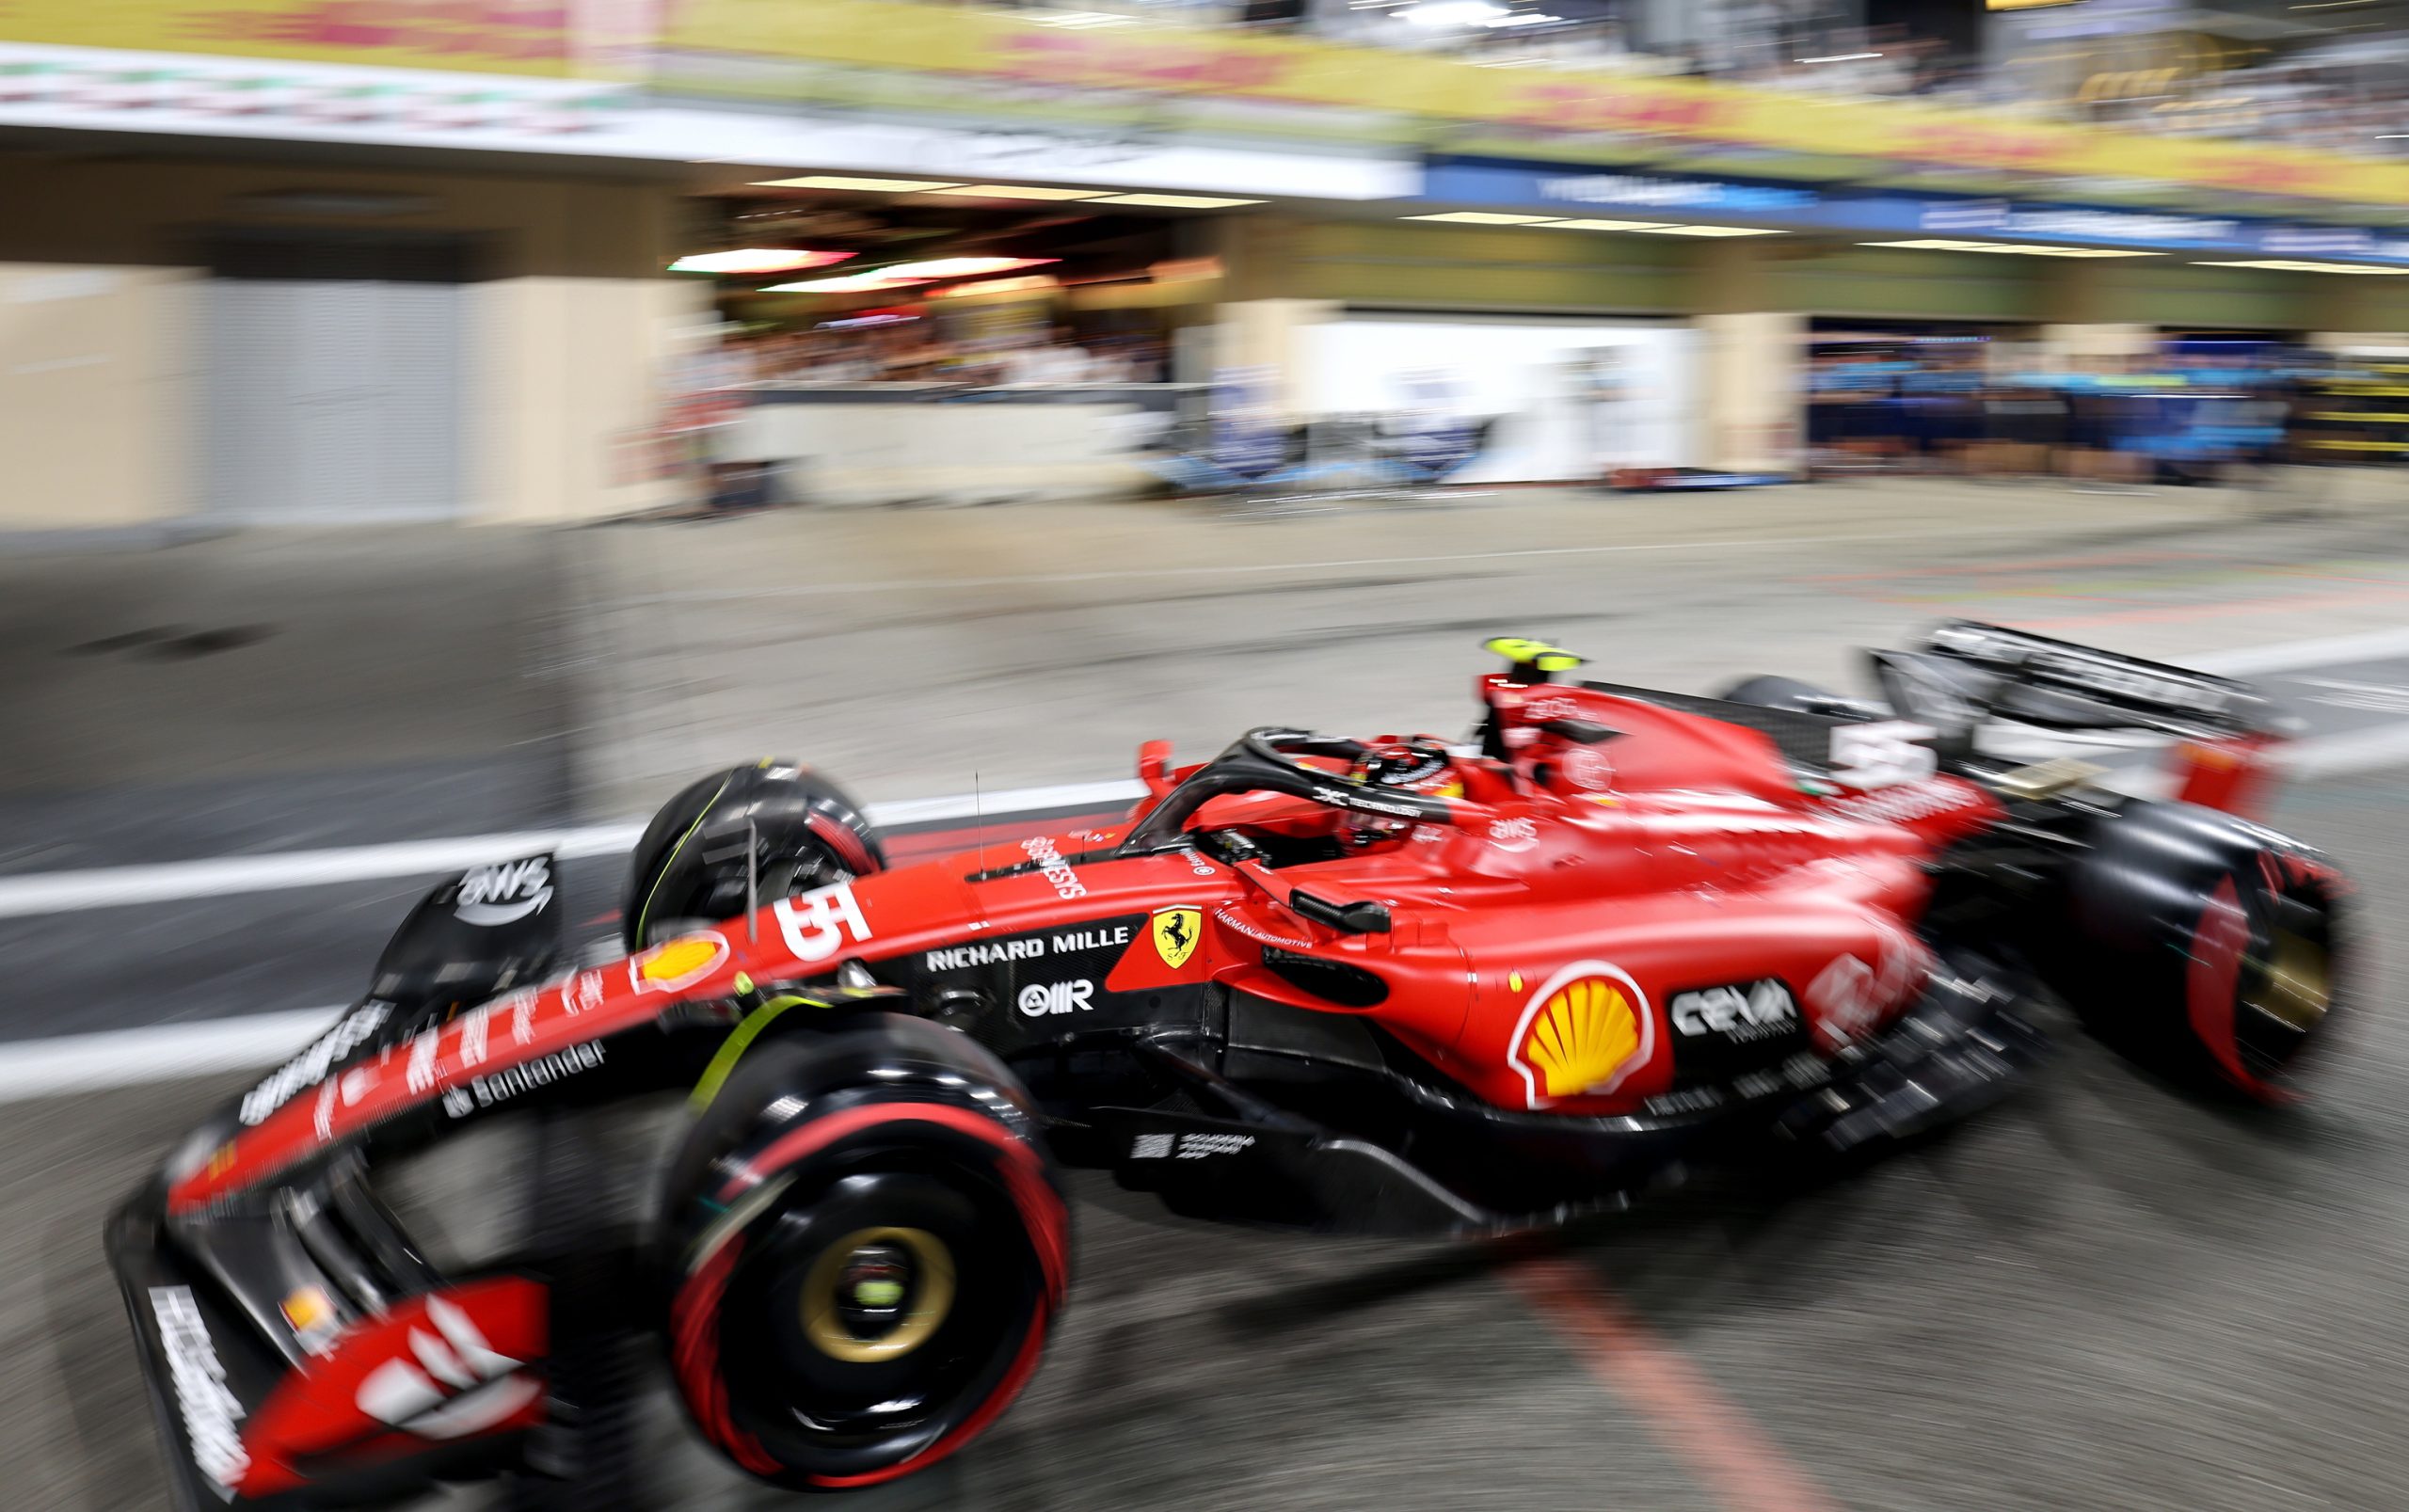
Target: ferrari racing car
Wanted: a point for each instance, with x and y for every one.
(1399, 986)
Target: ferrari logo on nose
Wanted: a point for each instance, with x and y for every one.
(1175, 932)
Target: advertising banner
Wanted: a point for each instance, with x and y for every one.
(538, 38)
(1571, 191)
(899, 35)
(1375, 94)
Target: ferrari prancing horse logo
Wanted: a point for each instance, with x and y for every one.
(1175, 934)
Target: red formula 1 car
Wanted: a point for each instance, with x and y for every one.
(1394, 986)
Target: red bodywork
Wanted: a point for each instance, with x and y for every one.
(1536, 941)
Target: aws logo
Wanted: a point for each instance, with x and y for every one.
(1586, 1030)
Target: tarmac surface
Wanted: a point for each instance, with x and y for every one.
(2103, 1294)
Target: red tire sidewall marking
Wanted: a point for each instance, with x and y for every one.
(2212, 978)
(693, 1315)
(694, 1324)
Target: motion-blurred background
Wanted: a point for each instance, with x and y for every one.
(430, 424)
(329, 261)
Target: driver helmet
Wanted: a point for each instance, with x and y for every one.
(1419, 763)
(1416, 763)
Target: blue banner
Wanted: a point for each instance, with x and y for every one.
(1574, 194)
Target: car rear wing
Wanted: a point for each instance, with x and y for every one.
(1965, 672)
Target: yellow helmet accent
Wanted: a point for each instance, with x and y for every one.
(1537, 654)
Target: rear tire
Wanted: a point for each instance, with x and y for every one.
(690, 868)
(2205, 945)
(866, 1249)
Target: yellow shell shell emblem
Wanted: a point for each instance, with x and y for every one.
(1175, 934)
(1583, 1032)
(677, 957)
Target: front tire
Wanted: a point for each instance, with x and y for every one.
(865, 1266)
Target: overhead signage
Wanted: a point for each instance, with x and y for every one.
(163, 93)
(1649, 191)
(1873, 214)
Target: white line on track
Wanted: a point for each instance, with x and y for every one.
(65, 892)
(2342, 755)
(161, 1052)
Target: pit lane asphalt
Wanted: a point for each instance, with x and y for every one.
(2103, 1294)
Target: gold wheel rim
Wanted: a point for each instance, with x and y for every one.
(823, 1321)
(2297, 990)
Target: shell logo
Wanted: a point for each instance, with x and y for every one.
(1587, 1028)
(676, 964)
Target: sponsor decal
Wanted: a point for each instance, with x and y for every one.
(453, 1383)
(310, 1314)
(1513, 834)
(1055, 870)
(1038, 999)
(1176, 931)
(1186, 1146)
(312, 1065)
(1683, 1100)
(1586, 770)
(1092, 940)
(580, 993)
(207, 1405)
(818, 923)
(1742, 1012)
(1241, 924)
(985, 953)
(1805, 1069)
(481, 1092)
(421, 1072)
(476, 1025)
(671, 966)
(2132, 684)
(1849, 997)
(1905, 805)
(1882, 755)
(1587, 1028)
(505, 893)
(1344, 798)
